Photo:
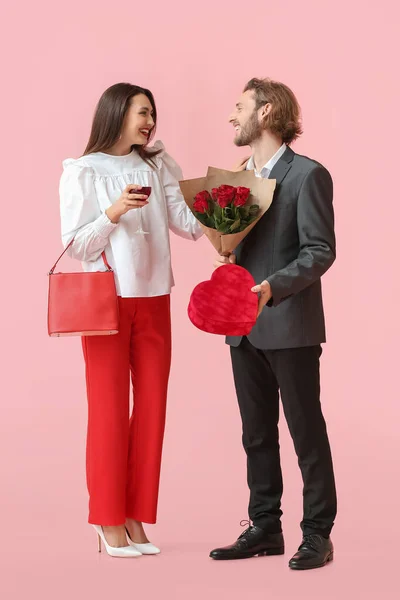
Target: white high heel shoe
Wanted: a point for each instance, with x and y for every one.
(123, 552)
(147, 548)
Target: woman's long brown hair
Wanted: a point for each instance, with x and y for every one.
(109, 117)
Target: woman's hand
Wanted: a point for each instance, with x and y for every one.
(241, 166)
(126, 202)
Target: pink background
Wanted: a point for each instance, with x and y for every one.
(340, 59)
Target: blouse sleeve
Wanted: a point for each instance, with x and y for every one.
(180, 218)
(81, 217)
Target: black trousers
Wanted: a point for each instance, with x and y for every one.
(259, 377)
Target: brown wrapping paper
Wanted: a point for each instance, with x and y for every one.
(261, 193)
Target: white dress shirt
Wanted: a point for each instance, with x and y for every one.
(267, 168)
(141, 263)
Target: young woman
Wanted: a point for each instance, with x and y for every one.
(103, 208)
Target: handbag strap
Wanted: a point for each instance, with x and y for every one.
(103, 254)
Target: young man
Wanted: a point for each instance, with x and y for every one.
(287, 252)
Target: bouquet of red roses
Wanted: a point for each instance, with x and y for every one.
(225, 208)
(228, 204)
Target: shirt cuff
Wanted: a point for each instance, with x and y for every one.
(103, 226)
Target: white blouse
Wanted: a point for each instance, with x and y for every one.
(141, 263)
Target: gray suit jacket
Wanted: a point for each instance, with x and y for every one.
(292, 246)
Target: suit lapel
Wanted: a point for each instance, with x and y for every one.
(282, 167)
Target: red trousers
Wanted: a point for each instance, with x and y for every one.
(123, 450)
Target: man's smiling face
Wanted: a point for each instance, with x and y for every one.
(246, 120)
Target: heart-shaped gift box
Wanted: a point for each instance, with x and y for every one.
(225, 304)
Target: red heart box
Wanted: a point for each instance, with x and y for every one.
(225, 305)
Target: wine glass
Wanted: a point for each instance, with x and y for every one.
(146, 191)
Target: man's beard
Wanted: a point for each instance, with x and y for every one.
(250, 132)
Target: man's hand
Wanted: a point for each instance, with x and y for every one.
(224, 260)
(264, 289)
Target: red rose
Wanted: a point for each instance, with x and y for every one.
(201, 202)
(204, 195)
(224, 195)
(242, 194)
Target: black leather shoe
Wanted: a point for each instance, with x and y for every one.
(253, 542)
(315, 551)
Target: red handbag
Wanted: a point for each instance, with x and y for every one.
(82, 303)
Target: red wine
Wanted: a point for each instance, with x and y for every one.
(146, 191)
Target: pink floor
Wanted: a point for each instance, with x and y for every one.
(49, 552)
(48, 566)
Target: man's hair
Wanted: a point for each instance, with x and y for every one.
(284, 118)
